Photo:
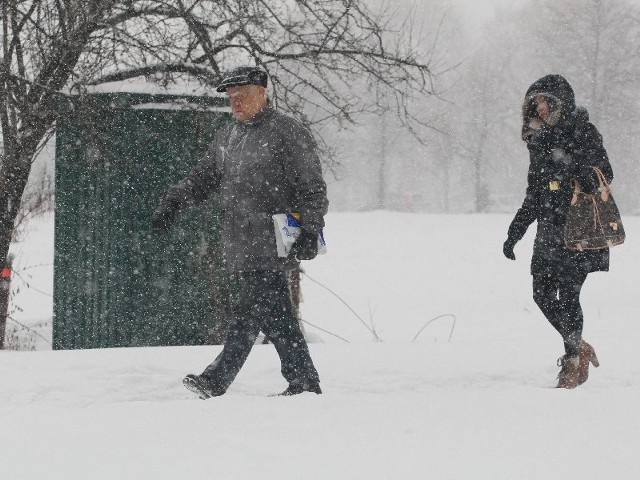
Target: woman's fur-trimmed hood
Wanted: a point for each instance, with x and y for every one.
(560, 97)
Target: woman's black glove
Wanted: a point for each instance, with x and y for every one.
(507, 249)
(305, 247)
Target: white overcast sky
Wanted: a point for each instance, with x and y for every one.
(479, 11)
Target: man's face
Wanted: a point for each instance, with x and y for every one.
(246, 101)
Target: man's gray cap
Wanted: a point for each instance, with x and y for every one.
(243, 76)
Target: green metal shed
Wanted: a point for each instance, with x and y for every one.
(116, 283)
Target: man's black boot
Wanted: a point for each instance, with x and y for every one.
(200, 386)
(298, 388)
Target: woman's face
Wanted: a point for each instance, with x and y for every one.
(542, 107)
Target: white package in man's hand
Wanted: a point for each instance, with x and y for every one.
(287, 229)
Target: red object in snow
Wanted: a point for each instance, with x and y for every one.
(6, 273)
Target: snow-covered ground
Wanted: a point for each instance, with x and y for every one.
(465, 400)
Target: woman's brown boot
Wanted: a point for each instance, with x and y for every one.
(568, 376)
(587, 355)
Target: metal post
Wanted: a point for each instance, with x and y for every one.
(5, 288)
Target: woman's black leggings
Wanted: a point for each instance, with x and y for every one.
(558, 296)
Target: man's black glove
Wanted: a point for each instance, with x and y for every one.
(305, 247)
(164, 216)
(507, 249)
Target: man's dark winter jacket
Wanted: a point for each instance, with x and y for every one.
(563, 147)
(257, 168)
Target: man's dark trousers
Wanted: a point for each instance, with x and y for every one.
(262, 302)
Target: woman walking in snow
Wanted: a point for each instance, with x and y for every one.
(563, 145)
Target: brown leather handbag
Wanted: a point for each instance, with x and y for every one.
(593, 221)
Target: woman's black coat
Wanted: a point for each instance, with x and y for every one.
(565, 147)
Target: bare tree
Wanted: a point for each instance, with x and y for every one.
(484, 121)
(313, 50)
(387, 162)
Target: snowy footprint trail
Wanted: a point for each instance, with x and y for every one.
(392, 410)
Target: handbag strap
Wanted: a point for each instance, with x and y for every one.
(603, 186)
(575, 185)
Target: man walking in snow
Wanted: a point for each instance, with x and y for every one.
(261, 164)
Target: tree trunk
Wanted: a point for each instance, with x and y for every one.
(12, 185)
(5, 289)
(382, 165)
(19, 151)
(595, 62)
